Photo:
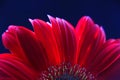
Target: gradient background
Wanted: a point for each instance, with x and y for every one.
(104, 12)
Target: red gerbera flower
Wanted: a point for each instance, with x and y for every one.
(57, 51)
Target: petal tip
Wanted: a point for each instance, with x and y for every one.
(11, 27)
(86, 17)
(49, 16)
(30, 20)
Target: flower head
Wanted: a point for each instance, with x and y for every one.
(58, 51)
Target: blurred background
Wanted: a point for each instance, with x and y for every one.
(106, 13)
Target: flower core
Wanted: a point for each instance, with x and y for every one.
(66, 71)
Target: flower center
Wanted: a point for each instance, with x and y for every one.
(66, 72)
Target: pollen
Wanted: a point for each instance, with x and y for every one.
(66, 71)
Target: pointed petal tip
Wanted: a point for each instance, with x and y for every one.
(30, 20)
(49, 16)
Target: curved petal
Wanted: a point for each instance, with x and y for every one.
(10, 42)
(65, 37)
(11, 68)
(90, 37)
(107, 56)
(44, 34)
(24, 44)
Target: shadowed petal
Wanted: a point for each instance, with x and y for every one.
(11, 68)
(107, 56)
(34, 51)
(26, 46)
(112, 73)
(65, 37)
(90, 37)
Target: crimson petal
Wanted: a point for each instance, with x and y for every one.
(90, 38)
(10, 42)
(44, 34)
(112, 73)
(107, 56)
(12, 68)
(24, 44)
(65, 37)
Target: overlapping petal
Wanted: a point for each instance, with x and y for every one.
(12, 68)
(107, 56)
(90, 38)
(93, 51)
(44, 34)
(57, 42)
(10, 42)
(112, 73)
(24, 42)
(65, 38)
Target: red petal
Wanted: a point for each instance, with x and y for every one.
(107, 55)
(112, 73)
(44, 34)
(10, 42)
(90, 38)
(65, 37)
(11, 68)
(34, 50)
(26, 46)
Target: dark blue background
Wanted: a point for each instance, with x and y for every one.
(103, 12)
